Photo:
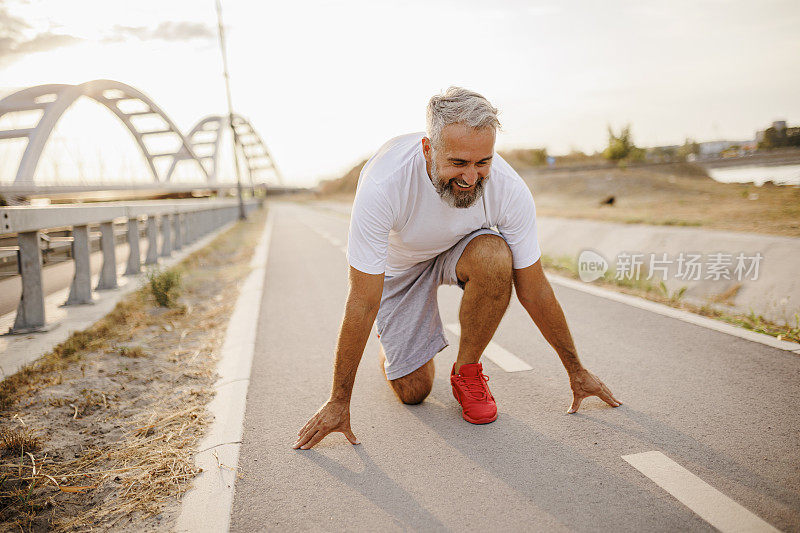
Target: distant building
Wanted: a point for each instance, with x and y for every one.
(720, 148)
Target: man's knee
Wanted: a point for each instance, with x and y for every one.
(416, 395)
(413, 388)
(488, 257)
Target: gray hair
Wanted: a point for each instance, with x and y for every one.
(459, 106)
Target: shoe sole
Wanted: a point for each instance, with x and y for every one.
(469, 419)
(472, 421)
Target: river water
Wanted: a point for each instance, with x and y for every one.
(781, 175)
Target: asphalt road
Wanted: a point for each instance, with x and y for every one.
(720, 407)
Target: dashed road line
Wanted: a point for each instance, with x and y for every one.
(328, 237)
(331, 239)
(707, 502)
(497, 354)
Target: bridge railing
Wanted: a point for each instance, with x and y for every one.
(169, 225)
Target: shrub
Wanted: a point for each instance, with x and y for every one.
(18, 441)
(133, 352)
(164, 285)
(621, 147)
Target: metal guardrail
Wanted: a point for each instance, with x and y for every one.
(178, 222)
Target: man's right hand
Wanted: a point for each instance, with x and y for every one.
(333, 416)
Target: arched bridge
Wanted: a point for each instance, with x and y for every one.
(128, 103)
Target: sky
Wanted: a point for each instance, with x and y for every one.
(327, 82)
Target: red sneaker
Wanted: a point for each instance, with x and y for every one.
(472, 392)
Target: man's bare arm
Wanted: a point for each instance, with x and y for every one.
(537, 297)
(363, 301)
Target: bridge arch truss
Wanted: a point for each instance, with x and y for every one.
(55, 99)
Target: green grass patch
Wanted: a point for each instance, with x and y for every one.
(165, 285)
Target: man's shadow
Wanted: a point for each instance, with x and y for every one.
(576, 490)
(554, 476)
(378, 488)
(539, 466)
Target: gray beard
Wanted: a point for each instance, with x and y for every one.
(447, 193)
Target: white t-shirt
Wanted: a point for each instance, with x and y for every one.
(399, 220)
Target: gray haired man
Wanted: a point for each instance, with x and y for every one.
(421, 218)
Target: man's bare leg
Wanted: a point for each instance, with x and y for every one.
(485, 267)
(412, 388)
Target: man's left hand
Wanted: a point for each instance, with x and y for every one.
(585, 384)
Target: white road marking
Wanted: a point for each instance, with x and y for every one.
(709, 503)
(327, 236)
(498, 355)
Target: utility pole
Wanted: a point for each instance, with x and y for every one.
(221, 31)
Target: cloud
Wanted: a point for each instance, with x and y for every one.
(171, 31)
(45, 41)
(15, 41)
(11, 24)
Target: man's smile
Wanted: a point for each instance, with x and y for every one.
(462, 185)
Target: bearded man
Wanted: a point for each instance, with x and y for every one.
(423, 216)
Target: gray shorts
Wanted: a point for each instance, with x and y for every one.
(408, 321)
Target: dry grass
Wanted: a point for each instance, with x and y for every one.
(100, 432)
(18, 441)
(670, 195)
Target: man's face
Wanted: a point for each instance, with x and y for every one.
(459, 167)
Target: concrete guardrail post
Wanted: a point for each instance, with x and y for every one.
(186, 223)
(134, 255)
(108, 272)
(196, 220)
(195, 226)
(177, 241)
(80, 292)
(185, 219)
(30, 312)
(166, 235)
(152, 240)
(210, 220)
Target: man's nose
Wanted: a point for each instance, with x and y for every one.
(471, 175)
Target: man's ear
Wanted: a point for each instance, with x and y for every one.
(426, 149)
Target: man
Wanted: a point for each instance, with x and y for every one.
(422, 217)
